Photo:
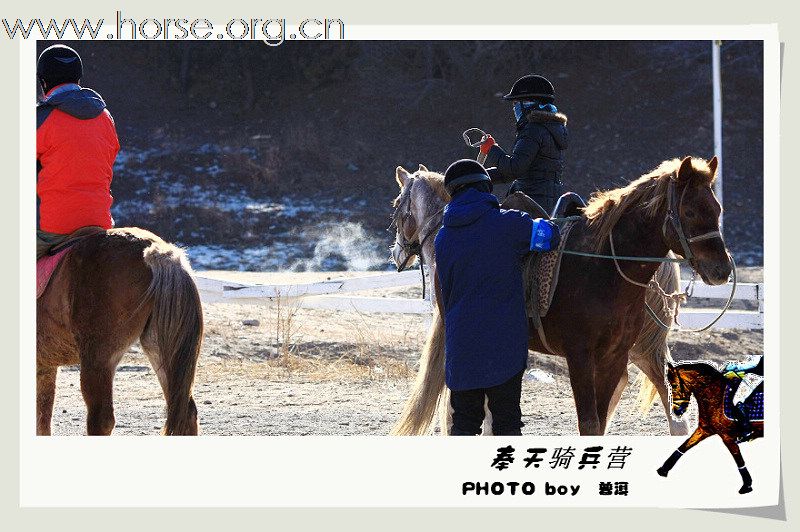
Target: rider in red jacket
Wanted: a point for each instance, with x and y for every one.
(76, 144)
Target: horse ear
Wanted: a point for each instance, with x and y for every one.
(685, 171)
(712, 165)
(423, 168)
(401, 175)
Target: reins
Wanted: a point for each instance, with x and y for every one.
(675, 298)
(413, 247)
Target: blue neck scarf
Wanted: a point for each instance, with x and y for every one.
(522, 108)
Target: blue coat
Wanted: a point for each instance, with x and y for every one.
(479, 255)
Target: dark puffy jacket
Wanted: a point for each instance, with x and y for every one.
(537, 161)
(479, 253)
(76, 144)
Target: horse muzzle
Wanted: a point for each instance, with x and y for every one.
(714, 273)
(402, 259)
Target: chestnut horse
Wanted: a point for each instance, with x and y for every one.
(109, 290)
(597, 314)
(708, 385)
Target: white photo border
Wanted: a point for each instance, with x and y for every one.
(368, 471)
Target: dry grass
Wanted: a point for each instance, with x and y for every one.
(297, 354)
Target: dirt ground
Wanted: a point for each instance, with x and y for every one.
(289, 371)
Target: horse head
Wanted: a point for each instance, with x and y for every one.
(679, 391)
(691, 226)
(416, 217)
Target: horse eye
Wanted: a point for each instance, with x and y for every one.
(690, 214)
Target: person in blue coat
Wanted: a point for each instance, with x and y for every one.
(479, 252)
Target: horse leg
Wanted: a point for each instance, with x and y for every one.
(733, 448)
(150, 348)
(445, 413)
(97, 383)
(697, 436)
(581, 377)
(45, 396)
(605, 419)
(487, 419)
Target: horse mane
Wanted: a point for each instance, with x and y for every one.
(648, 193)
(435, 180)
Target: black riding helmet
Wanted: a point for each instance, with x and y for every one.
(58, 64)
(465, 172)
(532, 87)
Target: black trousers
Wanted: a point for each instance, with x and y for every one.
(504, 405)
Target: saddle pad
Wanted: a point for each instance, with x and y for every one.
(45, 268)
(541, 276)
(753, 406)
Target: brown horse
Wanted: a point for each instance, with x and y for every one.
(111, 289)
(597, 315)
(708, 385)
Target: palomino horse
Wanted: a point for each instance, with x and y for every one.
(708, 385)
(109, 290)
(597, 319)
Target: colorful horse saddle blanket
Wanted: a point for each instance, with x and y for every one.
(45, 268)
(541, 276)
(753, 406)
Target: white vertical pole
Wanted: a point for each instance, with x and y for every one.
(717, 83)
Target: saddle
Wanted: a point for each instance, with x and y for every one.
(45, 268)
(753, 406)
(540, 270)
(541, 276)
(47, 265)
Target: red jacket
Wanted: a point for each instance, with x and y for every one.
(76, 144)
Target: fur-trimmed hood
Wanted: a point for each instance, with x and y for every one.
(555, 123)
(540, 116)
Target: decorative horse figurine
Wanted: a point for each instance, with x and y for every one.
(597, 316)
(708, 385)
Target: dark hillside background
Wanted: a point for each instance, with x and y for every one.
(259, 157)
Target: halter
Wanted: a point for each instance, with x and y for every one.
(673, 217)
(413, 246)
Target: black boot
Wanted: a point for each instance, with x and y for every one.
(745, 428)
(670, 462)
(747, 481)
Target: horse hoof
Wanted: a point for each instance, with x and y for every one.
(745, 489)
(661, 471)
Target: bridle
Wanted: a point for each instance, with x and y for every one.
(673, 218)
(413, 245)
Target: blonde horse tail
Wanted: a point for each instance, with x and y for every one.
(651, 344)
(420, 408)
(176, 325)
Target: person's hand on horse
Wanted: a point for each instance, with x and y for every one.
(487, 144)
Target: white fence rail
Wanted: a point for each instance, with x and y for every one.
(330, 295)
